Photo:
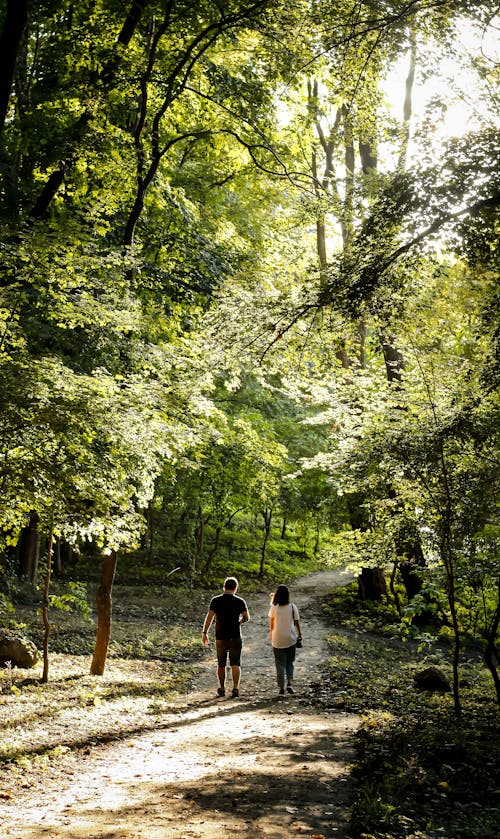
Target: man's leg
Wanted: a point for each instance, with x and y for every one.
(222, 651)
(235, 662)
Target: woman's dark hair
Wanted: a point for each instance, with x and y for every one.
(281, 596)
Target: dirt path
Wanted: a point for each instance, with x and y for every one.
(254, 767)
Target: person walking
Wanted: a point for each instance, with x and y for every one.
(229, 612)
(285, 631)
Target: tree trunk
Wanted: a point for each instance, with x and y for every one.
(356, 509)
(45, 606)
(394, 362)
(28, 550)
(317, 540)
(267, 516)
(409, 549)
(11, 37)
(349, 159)
(199, 539)
(448, 560)
(57, 557)
(393, 588)
(408, 103)
(131, 22)
(213, 550)
(368, 156)
(411, 580)
(491, 655)
(104, 608)
(151, 533)
(371, 584)
(362, 342)
(67, 556)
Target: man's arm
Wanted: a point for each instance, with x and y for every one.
(207, 623)
(244, 616)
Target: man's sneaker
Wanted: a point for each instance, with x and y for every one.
(221, 692)
(235, 693)
(281, 694)
(290, 689)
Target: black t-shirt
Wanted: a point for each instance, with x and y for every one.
(227, 608)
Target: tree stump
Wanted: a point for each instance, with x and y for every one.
(371, 584)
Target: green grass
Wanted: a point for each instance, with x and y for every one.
(285, 559)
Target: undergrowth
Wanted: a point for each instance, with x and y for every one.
(422, 772)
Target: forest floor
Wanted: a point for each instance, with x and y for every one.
(85, 763)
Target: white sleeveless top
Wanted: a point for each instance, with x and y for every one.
(284, 633)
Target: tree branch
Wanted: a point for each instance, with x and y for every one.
(371, 273)
(492, 201)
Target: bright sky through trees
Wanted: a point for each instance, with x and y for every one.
(450, 97)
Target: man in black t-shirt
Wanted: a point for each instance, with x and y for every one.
(229, 612)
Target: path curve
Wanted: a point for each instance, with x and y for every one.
(254, 767)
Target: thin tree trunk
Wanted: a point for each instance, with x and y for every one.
(392, 587)
(362, 342)
(104, 609)
(491, 656)
(45, 605)
(151, 533)
(347, 215)
(213, 550)
(11, 37)
(218, 532)
(28, 549)
(199, 539)
(130, 24)
(57, 557)
(456, 650)
(447, 559)
(408, 104)
(267, 516)
(317, 540)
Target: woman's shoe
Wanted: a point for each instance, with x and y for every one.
(290, 689)
(281, 694)
(221, 692)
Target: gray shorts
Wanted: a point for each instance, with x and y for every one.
(231, 646)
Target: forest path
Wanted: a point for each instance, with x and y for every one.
(255, 767)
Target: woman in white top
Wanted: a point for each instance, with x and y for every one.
(284, 626)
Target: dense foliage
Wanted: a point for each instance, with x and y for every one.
(248, 292)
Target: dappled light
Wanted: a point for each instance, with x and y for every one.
(191, 765)
(249, 327)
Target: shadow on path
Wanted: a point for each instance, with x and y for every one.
(255, 766)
